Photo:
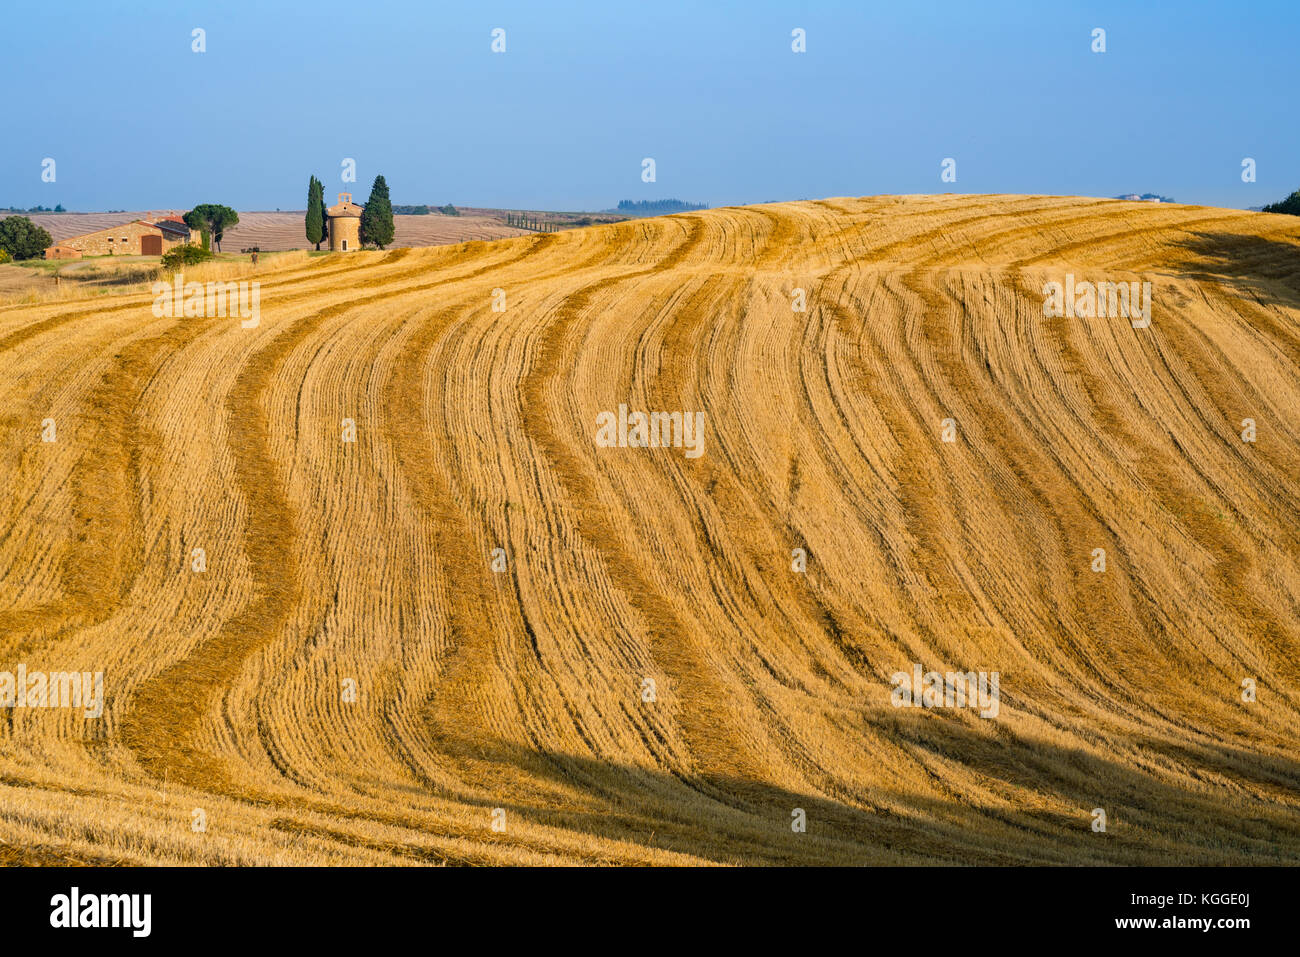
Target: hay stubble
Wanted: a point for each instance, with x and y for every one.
(521, 689)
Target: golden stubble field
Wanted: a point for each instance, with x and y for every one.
(502, 709)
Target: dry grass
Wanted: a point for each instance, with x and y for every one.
(81, 279)
(521, 690)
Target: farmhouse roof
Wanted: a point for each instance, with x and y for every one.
(173, 226)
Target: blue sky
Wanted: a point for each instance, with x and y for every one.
(585, 90)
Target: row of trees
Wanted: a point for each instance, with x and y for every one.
(34, 209)
(424, 210)
(377, 227)
(526, 221)
(656, 207)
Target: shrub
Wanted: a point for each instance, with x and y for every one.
(184, 255)
(5, 257)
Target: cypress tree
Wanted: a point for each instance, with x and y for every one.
(324, 216)
(377, 217)
(315, 211)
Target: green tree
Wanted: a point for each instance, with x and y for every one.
(1289, 205)
(325, 217)
(377, 217)
(315, 211)
(211, 219)
(23, 239)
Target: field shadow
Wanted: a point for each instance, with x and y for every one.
(127, 275)
(1266, 268)
(1009, 801)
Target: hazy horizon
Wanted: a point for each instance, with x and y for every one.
(12, 209)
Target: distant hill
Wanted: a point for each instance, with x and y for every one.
(33, 209)
(424, 210)
(655, 207)
(1147, 197)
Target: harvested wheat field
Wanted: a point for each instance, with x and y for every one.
(641, 675)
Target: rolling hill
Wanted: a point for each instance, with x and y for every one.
(477, 634)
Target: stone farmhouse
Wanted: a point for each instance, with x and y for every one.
(138, 238)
